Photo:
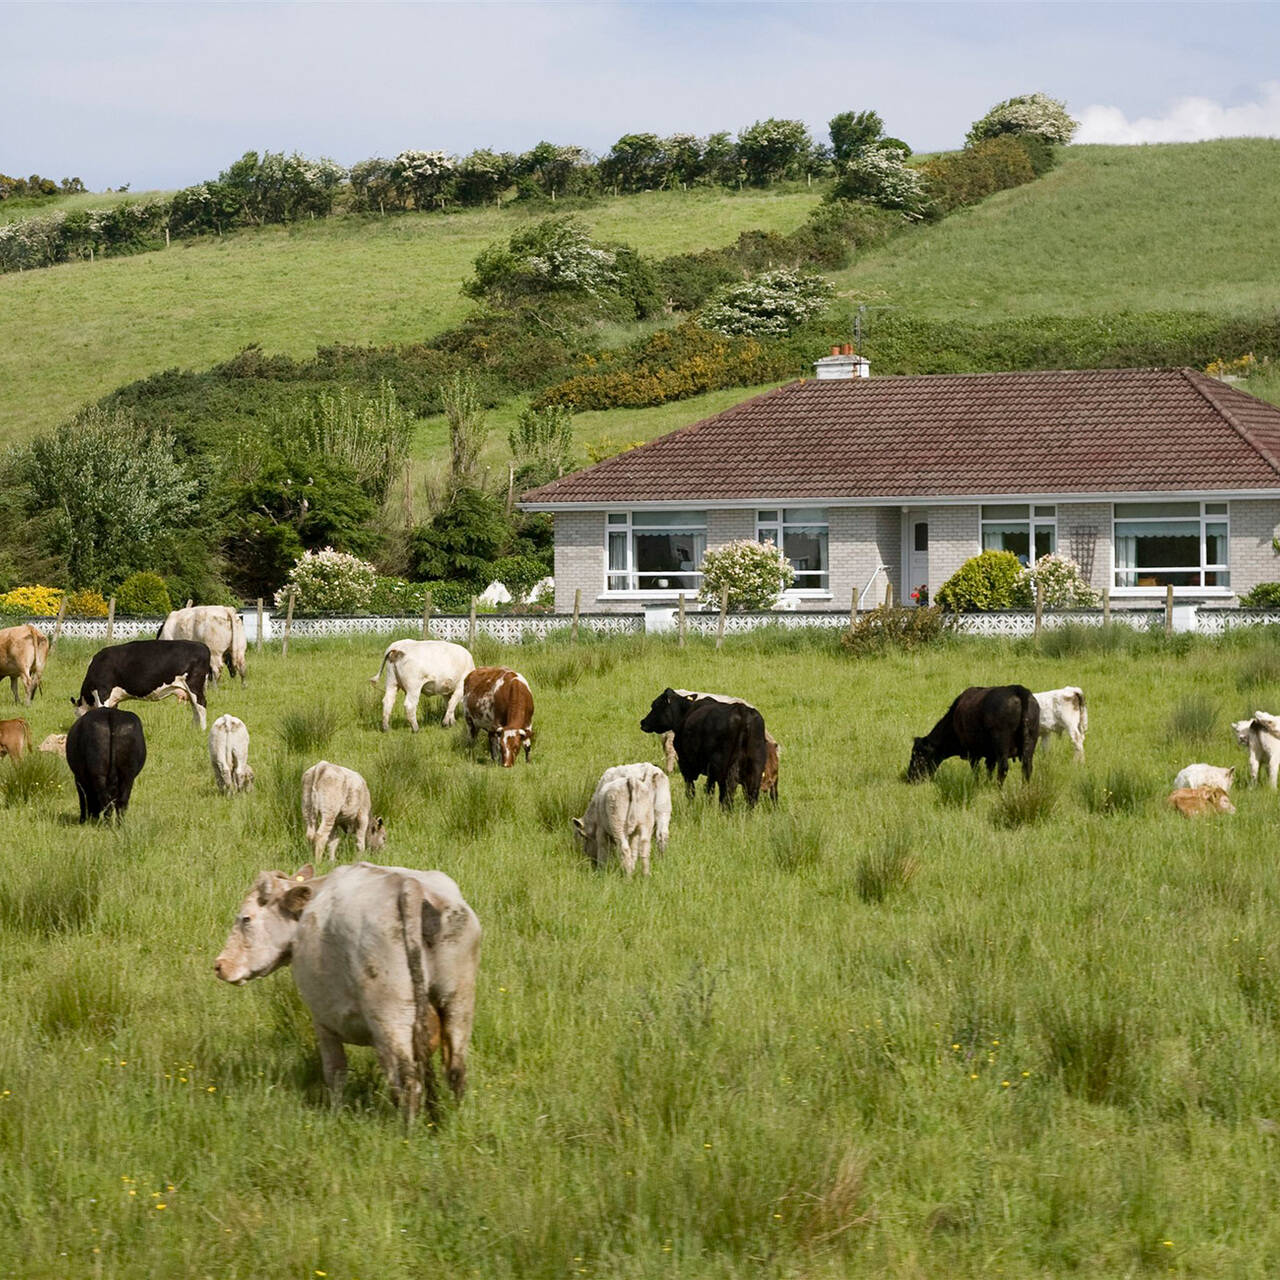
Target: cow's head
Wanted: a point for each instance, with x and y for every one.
(80, 706)
(924, 761)
(1241, 729)
(666, 714)
(1217, 799)
(510, 743)
(377, 836)
(585, 832)
(261, 940)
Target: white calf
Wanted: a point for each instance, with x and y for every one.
(229, 753)
(630, 808)
(335, 799)
(1205, 775)
(1261, 736)
(1063, 711)
(433, 667)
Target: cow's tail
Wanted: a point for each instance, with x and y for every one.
(385, 657)
(239, 646)
(1084, 711)
(416, 911)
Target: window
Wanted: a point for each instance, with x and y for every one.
(1018, 527)
(1179, 544)
(656, 550)
(801, 532)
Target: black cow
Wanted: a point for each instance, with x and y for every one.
(148, 669)
(994, 725)
(724, 740)
(106, 752)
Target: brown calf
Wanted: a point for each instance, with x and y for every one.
(769, 778)
(1192, 802)
(499, 701)
(23, 651)
(15, 738)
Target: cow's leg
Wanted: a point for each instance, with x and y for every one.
(1273, 768)
(451, 707)
(1077, 741)
(124, 789)
(362, 833)
(1253, 765)
(626, 854)
(1002, 769)
(495, 746)
(13, 684)
(84, 807)
(643, 840)
(394, 1047)
(455, 1033)
(30, 683)
(690, 781)
(333, 1062)
(411, 697)
(389, 700)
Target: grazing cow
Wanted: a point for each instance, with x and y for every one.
(415, 667)
(724, 740)
(1205, 775)
(229, 753)
(15, 738)
(147, 669)
(499, 701)
(23, 651)
(218, 627)
(994, 725)
(334, 800)
(1064, 711)
(56, 743)
(1261, 736)
(631, 805)
(769, 783)
(1195, 802)
(106, 751)
(382, 956)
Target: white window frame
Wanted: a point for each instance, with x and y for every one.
(1033, 522)
(1206, 518)
(775, 531)
(623, 522)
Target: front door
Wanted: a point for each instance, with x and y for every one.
(917, 584)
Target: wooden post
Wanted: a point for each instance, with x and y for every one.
(111, 618)
(190, 602)
(1168, 610)
(1106, 606)
(680, 625)
(888, 595)
(853, 607)
(57, 625)
(426, 614)
(258, 646)
(288, 624)
(1039, 605)
(724, 608)
(577, 608)
(471, 626)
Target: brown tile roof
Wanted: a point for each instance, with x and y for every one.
(1074, 431)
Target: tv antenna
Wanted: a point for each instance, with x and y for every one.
(859, 323)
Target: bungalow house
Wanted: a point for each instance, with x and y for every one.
(1146, 477)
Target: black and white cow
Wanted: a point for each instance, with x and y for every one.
(105, 751)
(991, 725)
(147, 669)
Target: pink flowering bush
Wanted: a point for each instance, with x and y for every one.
(329, 581)
(1063, 582)
(756, 573)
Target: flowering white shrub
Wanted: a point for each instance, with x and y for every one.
(1034, 113)
(756, 573)
(881, 175)
(422, 174)
(329, 581)
(1063, 582)
(773, 303)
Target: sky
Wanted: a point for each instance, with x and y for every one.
(161, 95)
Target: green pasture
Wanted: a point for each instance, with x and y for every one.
(884, 1030)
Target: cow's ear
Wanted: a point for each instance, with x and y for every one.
(264, 886)
(579, 826)
(304, 872)
(378, 824)
(295, 899)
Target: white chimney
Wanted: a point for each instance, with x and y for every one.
(841, 363)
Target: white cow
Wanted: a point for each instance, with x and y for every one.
(1064, 711)
(382, 956)
(433, 667)
(1205, 775)
(336, 799)
(218, 626)
(631, 807)
(229, 753)
(1261, 736)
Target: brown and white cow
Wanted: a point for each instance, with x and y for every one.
(23, 651)
(15, 738)
(1194, 802)
(382, 956)
(499, 701)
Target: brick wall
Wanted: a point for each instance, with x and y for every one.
(954, 536)
(1253, 525)
(579, 559)
(1084, 534)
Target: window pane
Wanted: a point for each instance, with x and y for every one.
(1046, 539)
(1217, 578)
(617, 517)
(1007, 537)
(1161, 528)
(668, 561)
(1155, 510)
(669, 519)
(805, 515)
(921, 536)
(806, 548)
(1049, 513)
(766, 517)
(1005, 511)
(1215, 508)
(1215, 544)
(617, 550)
(1145, 552)
(618, 582)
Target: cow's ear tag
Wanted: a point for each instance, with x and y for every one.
(299, 879)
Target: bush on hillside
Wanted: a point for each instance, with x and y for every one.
(992, 580)
(1266, 595)
(1063, 584)
(328, 581)
(755, 573)
(1030, 113)
(772, 149)
(143, 595)
(965, 177)
(774, 303)
(888, 630)
(882, 178)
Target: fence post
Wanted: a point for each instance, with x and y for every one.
(426, 614)
(724, 608)
(471, 625)
(258, 646)
(111, 618)
(1039, 605)
(57, 625)
(190, 602)
(1106, 606)
(577, 606)
(288, 625)
(681, 622)
(853, 606)
(1168, 609)
(888, 595)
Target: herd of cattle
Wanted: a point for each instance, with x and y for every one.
(387, 956)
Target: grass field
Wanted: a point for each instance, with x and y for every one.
(877, 1032)
(72, 333)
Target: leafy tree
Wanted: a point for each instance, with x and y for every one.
(882, 177)
(554, 169)
(463, 540)
(554, 256)
(685, 157)
(636, 162)
(541, 445)
(1031, 113)
(483, 176)
(772, 149)
(422, 176)
(467, 428)
(773, 303)
(721, 161)
(853, 132)
(373, 185)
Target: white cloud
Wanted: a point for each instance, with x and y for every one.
(1188, 120)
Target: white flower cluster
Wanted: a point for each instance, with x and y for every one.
(1034, 113)
(774, 303)
(416, 166)
(329, 581)
(570, 261)
(756, 574)
(46, 238)
(881, 176)
(1063, 582)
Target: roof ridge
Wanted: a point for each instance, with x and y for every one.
(1199, 380)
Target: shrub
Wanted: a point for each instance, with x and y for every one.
(887, 869)
(35, 602)
(519, 574)
(1030, 113)
(1266, 595)
(329, 581)
(756, 574)
(992, 580)
(1026, 805)
(462, 541)
(883, 178)
(885, 630)
(773, 303)
(449, 597)
(143, 595)
(305, 730)
(965, 177)
(86, 603)
(1062, 582)
(772, 149)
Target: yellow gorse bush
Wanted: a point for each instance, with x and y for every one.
(86, 603)
(39, 602)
